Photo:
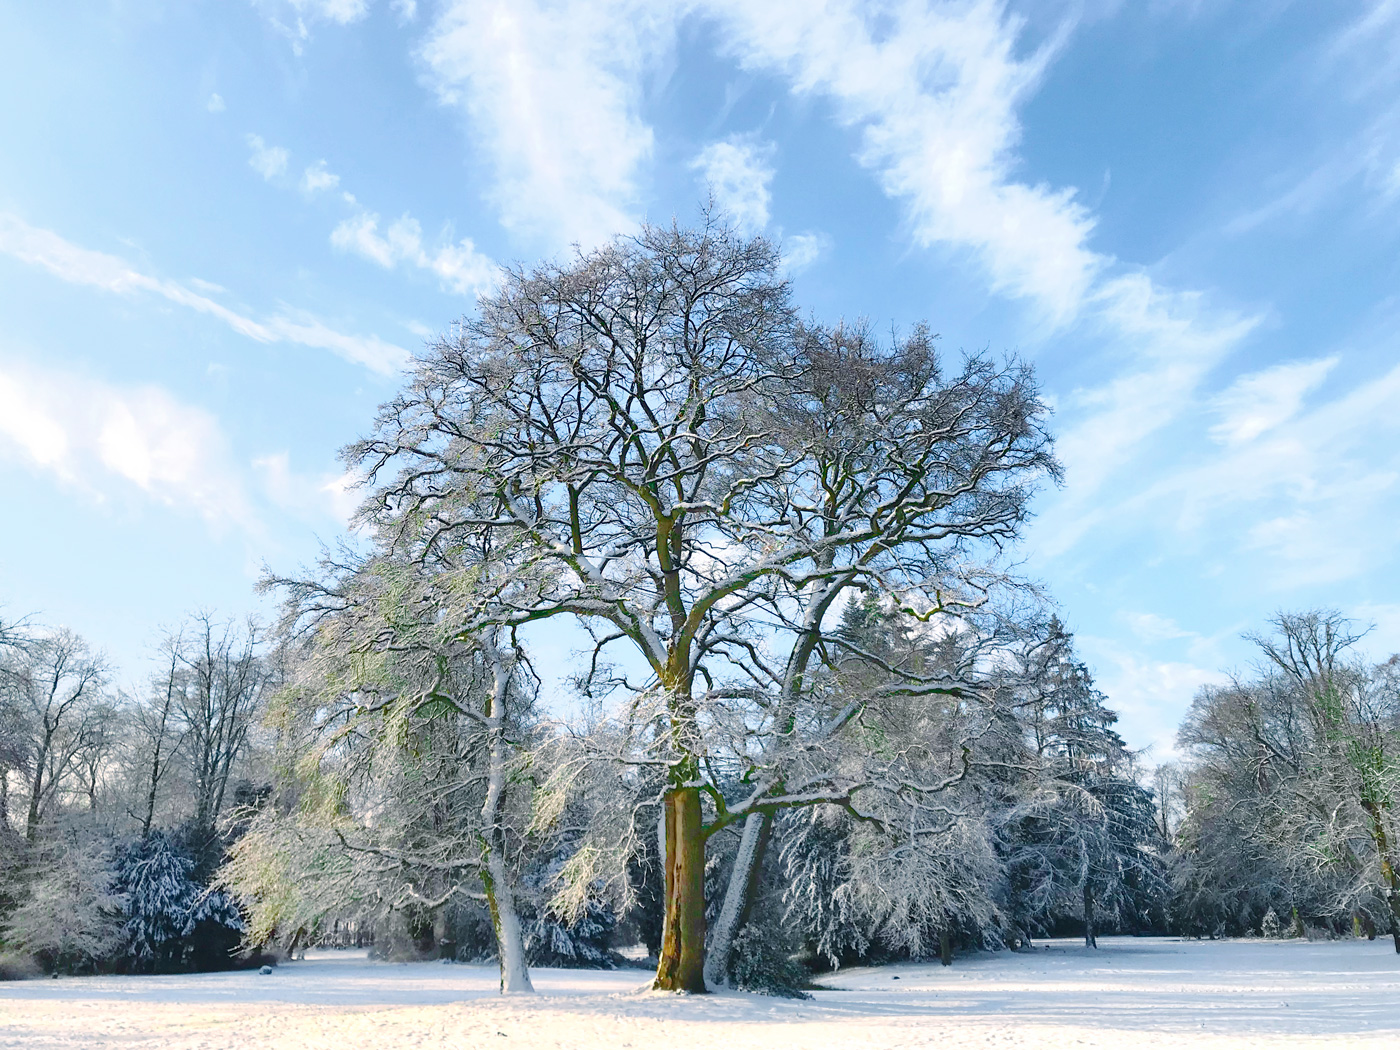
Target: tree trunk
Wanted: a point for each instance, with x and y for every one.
(738, 897)
(510, 942)
(1090, 941)
(682, 964)
(1392, 880)
(31, 823)
(495, 876)
(945, 947)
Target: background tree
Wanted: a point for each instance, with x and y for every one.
(224, 679)
(1292, 785)
(54, 689)
(402, 727)
(1081, 834)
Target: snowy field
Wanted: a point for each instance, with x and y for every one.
(1130, 993)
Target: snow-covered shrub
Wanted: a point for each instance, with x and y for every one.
(71, 919)
(172, 919)
(1269, 926)
(583, 944)
(471, 938)
(761, 961)
(15, 966)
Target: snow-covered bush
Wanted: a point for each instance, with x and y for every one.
(172, 920)
(584, 943)
(1269, 926)
(761, 961)
(71, 918)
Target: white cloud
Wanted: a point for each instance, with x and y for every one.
(215, 103)
(407, 10)
(1260, 401)
(317, 178)
(1150, 627)
(553, 92)
(89, 433)
(1150, 696)
(342, 11)
(326, 495)
(67, 261)
(267, 161)
(802, 250)
(304, 12)
(1165, 346)
(294, 18)
(460, 267)
(738, 171)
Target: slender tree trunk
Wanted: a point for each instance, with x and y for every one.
(1090, 941)
(495, 878)
(510, 941)
(682, 964)
(1392, 880)
(31, 824)
(738, 897)
(945, 946)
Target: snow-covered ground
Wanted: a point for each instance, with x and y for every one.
(1130, 993)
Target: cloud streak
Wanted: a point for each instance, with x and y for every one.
(933, 91)
(553, 92)
(460, 267)
(76, 265)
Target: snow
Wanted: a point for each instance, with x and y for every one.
(1130, 993)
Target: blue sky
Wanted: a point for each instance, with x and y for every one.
(224, 226)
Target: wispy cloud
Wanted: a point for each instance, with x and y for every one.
(295, 18)
(215, 103)
(1311, 493)
(267, 161)
(1260, 401)
(76, 265)
(1149, 695)
(553, 92)
(738, 172)
(460, 267)
(316, 496)
(934, 91)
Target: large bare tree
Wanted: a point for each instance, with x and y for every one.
(660, 450)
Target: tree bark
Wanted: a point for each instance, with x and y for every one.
(738, 897)
(1392, 880)
(505, 920)
(495, 876)
(945, 946)
(1090, 941)
(36, 792)
(682, 964)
